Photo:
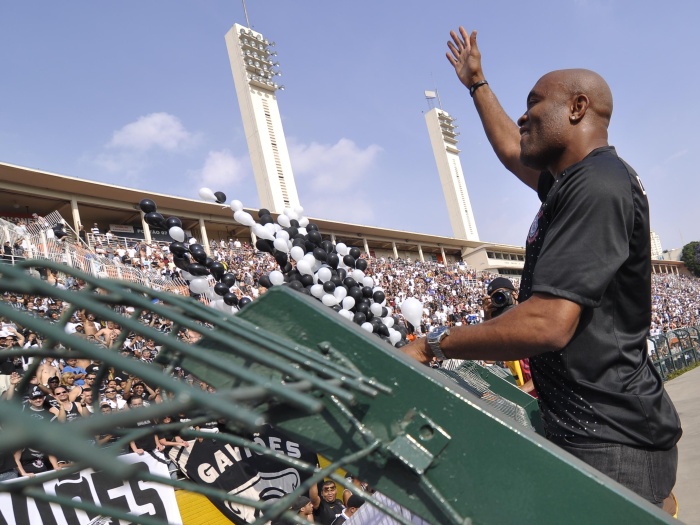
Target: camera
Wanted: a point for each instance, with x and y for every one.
(502, 298)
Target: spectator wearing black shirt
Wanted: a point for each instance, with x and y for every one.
(326, 507)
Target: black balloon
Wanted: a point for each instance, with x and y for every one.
(287, 268)
(281, 258)
(209, 262)
(349, 282)
(178, 248)
(265, 281)
(263, 211)
(383, 329)
(361, 264)
(221, 289)
(220, 197)
(147, 206)
(336, 307)
(356, 293)
(401, 343)
(367, 291)
(231, 299)
(172, 222)
(349, 261)
(315, 237)
(320, 254)
(200, 257)
(154, 219)
(329, 287)
(327, 245)
(378, 296)
(355, 252)
(336, 280)
(294, 223)
(228, 279)
(332, 259)
(197, 269)
(361, 307)
(196, 248)
(359, 318)
(244, 301)
(296, 285)
(299, 242)
(181, 262)
(266, 219)
(307, 280)
(342, 273)
(217, 270)
(385, 311)
(264, 245)
(311, 227)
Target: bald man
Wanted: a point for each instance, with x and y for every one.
(585, 293)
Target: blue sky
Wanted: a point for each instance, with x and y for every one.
(141, 94)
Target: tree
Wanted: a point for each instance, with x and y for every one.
(691, 257)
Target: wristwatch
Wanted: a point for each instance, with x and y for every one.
(435, 338)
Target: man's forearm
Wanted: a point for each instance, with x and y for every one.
(542, 323)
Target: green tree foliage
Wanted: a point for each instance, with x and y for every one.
(691, 257)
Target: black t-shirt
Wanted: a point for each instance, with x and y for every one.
(590, 244)
(326, 512)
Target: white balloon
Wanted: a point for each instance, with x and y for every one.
(271, 229)
(244, 218)
(293, 216)
(368, 281)
(187, 276)
(297, 253)
(317, 265)
(207, 194)
(192, 240)
(303, 223)
(281, 245)
(177, 233)
(287, 211)
(304, 267)
(376, 309)
(329, 299)
(298, 210)
(388, 321)
(302, 229)
(340, 293)
(348, 303)
(260, 231)
(341, 248)
(217, 304)
(358, 275)
(276, 277)
(284, 221)
(324, 274)
(389, 311)
(347, 314)
(282, 235)
(317, 291)
(236, 205)
(412, 310)
(199, 285)
(309, 258)
(394, 336)
(367, 327)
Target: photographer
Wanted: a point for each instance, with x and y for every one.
(501, 297)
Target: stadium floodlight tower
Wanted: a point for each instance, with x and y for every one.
(443, 138)
(254, 72)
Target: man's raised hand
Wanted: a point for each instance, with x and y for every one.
(465, 57)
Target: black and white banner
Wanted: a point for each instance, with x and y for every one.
(240, 471)
(140, 498)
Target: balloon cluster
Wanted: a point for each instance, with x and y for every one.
(191, 258)
(333, 274)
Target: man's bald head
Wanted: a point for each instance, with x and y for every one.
(567, 117)
(575, 82)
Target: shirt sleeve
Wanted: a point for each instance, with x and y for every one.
(592, 219)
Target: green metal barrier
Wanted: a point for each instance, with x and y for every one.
(408, 430)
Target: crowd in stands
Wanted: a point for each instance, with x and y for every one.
(63, 390)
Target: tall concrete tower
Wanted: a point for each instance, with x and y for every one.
(254, 72)
(443, 137)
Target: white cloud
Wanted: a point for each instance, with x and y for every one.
(222, 168)
(156, 130)
(334, 167)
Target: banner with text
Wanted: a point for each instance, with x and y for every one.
(141, 498)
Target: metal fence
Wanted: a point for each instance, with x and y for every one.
(674, 350)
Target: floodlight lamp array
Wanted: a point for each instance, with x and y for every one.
(257, 59)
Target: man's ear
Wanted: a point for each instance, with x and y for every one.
(579, 106)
